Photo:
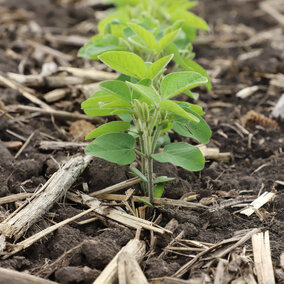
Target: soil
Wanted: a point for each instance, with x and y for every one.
(255, 165)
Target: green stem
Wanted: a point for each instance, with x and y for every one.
(156, 136)
(150, 177)
(143, 161)
(154, 120)
(149, 164)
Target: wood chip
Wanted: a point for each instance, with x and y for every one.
(246, 92)
(257, 203)
(13, 144)
(214, 154)
(55, 95)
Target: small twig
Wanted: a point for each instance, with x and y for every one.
(56, 113)
(116, 187)
(160, 201)
(14, 197)
(34, 238)
(58, 145)
(14, 85)
(25, 145)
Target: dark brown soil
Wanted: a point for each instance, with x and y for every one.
(252, 169)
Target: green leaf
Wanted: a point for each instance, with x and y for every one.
(113, 147)
(113, 126)
(117, 88)
(96, 111)
(163, 179)
(144, 34)
(173, 49)
(190, 19)
(99, 45)
(162, 141)
(157, 67)
(193, 107)
(125, 62)
(126, 117)
(136, 40)
(175, 108)
(183, 155)
(199, 131)
(99, 96)
(165, 40)
(147, 92)
(145, 202)
(116, 103)
(158, 190)
(138, 173)
(192, 65)
(192, 95)
(175, 83)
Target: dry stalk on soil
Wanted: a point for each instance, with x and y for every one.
(8, 276)
(116, 215)
(17, 224)
(135, 248)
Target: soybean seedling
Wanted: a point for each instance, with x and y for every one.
(143, 99)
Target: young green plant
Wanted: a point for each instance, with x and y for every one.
(150, 29)
(143, 99)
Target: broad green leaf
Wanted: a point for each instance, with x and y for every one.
(136, 40)
(192, 95)
(163, 179)
(157, 67)
(117, 88)
(175, 83)
(173, 49)
(183, 155)
(193, 107)
(126, 117)
(107, 101)
(177, 24)
(144, 34)
(148, 92)
(120, 15)
(162, 141)
(199, 131)
(165, 40)
(113, 126)
(190, 19)
(138, 173)
(98, 45)
(113, 147)
(125, 62)
(192, 65)
(96, 111)
(96, 100)
(158, 190)
(117, 29)
(176, 109)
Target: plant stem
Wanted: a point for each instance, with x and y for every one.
(143, 167)
(150, 177)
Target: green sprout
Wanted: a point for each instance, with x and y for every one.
(143, 98)
(151, 29)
